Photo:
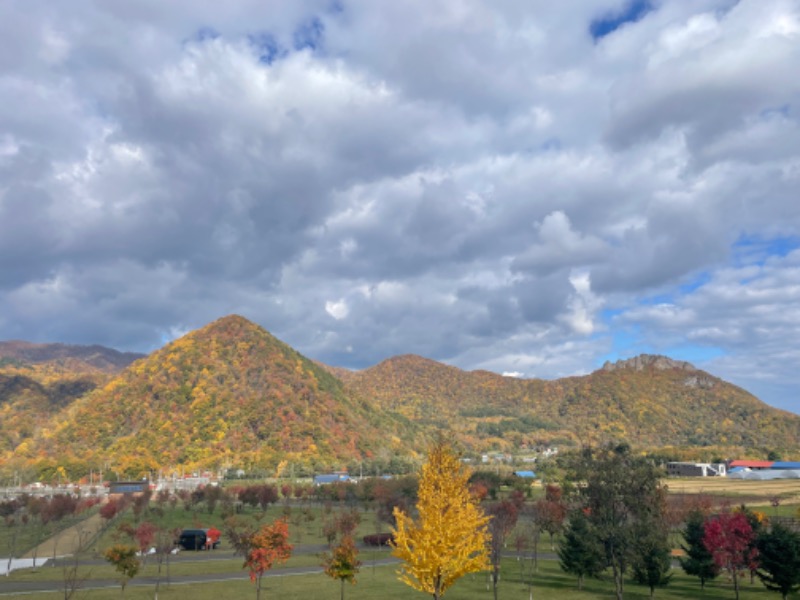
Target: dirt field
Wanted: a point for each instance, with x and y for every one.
(756, 492)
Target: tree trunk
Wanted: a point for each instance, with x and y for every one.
(342, 589)
(158, 578)
(736, 583)
(617, 579)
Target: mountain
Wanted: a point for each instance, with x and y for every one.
(39, 380)
(227, 394)
(231, 394)
(94, 357)
(647, 400)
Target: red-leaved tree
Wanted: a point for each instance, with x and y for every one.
(267, 546)
(504, 518)
(729, 539)
(145, 535)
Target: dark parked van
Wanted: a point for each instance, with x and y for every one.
(196, 539)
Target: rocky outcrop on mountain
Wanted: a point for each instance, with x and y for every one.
(653, 361)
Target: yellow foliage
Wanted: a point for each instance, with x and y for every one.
(450, 538)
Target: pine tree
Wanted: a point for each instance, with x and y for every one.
(580, 554)
(449, 539)
(698, 561)
(651, 562)
(779, 559)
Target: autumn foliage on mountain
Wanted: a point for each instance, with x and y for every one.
(229, 394)
(649, 401)
(232, 395)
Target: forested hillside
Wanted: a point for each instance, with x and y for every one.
(96, 357)
(229, 394)
(37, 381)
(648, 401)
(31, 394)
(232, 395)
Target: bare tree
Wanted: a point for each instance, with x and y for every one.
(72, 576)
(164, 545)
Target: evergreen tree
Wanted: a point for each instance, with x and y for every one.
(698, 561)
(580, 554)
(450, 537)
(779, 559)
(651, 562)
(622, 493)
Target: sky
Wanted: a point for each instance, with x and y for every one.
(522, 186)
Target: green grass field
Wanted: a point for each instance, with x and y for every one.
(306, 523)
(381, 582)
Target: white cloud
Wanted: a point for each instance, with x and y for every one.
(515, 374)
(338, 310)
(471, 181)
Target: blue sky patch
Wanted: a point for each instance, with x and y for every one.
(694, 354)
(634, 11)
(753, 249)
(309, 34)
(206, 33)
(268, 48)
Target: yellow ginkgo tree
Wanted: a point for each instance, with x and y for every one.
(450, 536)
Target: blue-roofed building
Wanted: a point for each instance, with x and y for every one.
(330, 478)
(783, 464)
(128, 487)
(525, 474)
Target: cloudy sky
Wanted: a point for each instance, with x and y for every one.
(524, 186)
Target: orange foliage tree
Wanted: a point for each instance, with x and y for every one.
(125, 561)
(267, 546)
(343, 563)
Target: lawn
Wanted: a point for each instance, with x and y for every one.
(381, 582)
(305, 522)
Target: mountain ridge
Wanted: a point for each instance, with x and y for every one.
(231, 393)
(102, 358)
